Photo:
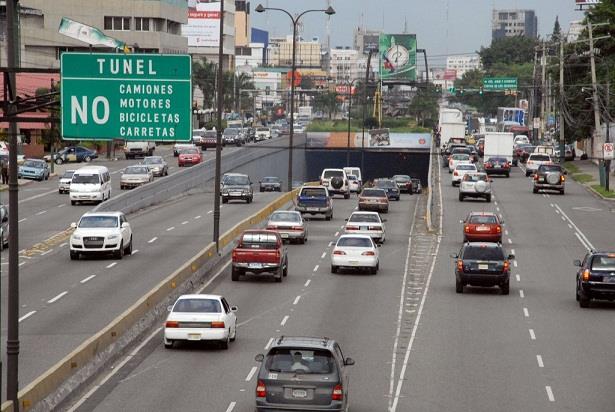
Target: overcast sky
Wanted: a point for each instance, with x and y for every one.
(463, 29)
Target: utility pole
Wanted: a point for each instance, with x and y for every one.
(543, 62)
(220, 102)
(608, 133)
(594, 81)
(533, 96)
(562, 122)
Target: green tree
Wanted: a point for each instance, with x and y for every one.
(508, 50)
(557, 31)
(327, 103)
(204, 75)
(424, 106)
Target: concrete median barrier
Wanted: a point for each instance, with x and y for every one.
(52, 387)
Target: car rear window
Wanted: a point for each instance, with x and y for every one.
(540, 157)
(373, 193)
(483, 253)
(270, 180)
(259, 240)
(328, 174)
(361, 217)
(385, 184)
(474, 178)
(306, 361)
(603, 263)
(285, 217)
(354, 242)
(550, 168)
(236, 180)
(198, 305)
(313, 192)
(482, 219)
(461, 156)
(466, 167)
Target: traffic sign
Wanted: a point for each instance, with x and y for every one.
(133, 97)
(607, 151)
(499, 83)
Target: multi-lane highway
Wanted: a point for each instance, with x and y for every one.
(418, 345)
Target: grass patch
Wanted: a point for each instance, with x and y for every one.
(339, 125)
(610, 194)
(571, 167)
(583, 178)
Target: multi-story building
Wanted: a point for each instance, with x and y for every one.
(308, 53)
(145, 26)
(346, 64)
(242, 23)
(365, 40)
(514, 22)
(463, 63)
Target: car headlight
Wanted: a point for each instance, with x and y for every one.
(76, 237)
(113, 236)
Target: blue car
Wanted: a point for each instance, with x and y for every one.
(74, 154)
(33, 169)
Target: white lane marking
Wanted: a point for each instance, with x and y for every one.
(114, 371)
(330, 244)
(509, 241)
(563, 218)
(526, 313)
(58, 297)
(336, 234)
(315, 268)
(61, 205)
(22, 263)
(42, 212)
(548, 196)
(170, 228)
(63, 244)
(209, 212)
(521, 293)
(550, 394)
(110, 265)
(231, 406)
(552, 205)
(284, 320)
(47, 251)
(22, 251)
(506, 232)
(22, 220)
(268, 343)
(251, 374)
(26, 316)
(323, 255)
(134, 252)
(532, 334)
(512, 251)
(518, 278)
(297, 300)
(185, 222)
(495, 203)
(557, 211)
(341, 227)
(515, 264)
(307, 283)
(541, 364)
(198, 217)
(218, 273)
(569, 225)
(87, 279)
(582, 241)
(38, 196)
(497, 208)
(152, 240)
(576, 228)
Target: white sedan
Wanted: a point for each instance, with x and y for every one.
(201, 318)
(355, 252)
(366, 223)
(456, 159)
(460, 171)
(99, 233)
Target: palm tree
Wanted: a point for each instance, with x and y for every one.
(326, 102)
(204, 75)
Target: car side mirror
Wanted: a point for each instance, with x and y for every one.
(5, 219)
(125, 225)
(346, 220)
(462, 221)
(73, 225)
(348, 361)
(565, 172)
(259, 358)
(577, 262)
(454, 255)
(384, 220)
(511, 256)
(234, 309)
(169, 308)
(378, 244)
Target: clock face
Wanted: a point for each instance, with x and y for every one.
(398, 56)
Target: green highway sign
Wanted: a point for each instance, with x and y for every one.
(499, 83)
(108, 96)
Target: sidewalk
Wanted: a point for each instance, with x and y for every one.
(587, 173)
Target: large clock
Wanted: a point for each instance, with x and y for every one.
(398, 56)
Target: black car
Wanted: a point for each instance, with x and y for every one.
(497, 166)
(595, 277)
(389, 186)
(270, 184)
(482, 264)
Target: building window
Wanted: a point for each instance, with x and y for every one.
(117, 23)
(143, 24)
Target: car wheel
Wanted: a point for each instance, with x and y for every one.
(453, 184)
(73, 202)
(527, 173)
(583, 300)
(120, 252)
(74, 255)
(561, 192)
(224, 200)
(328, 217)
(374, 270)
(458, 286)
(333, 269)
(234, 336)
(169, 343)
(535, 190)
(58, 161)
(235, 273)
(507, 174)
(461, 197)
(279, 274)
(488, 198)
(260, 190)
(128, 250)
(285, 271)
(60, 192)
(224, 343)
(577, 294)
(87, 159)
(346, 195)
(505, 288)
(302, 241)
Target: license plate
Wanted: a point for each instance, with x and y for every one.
(299, 393)
(364, 227)
(608, 279)
(283, 235)
(312, 209)
(483, 267)
(194, 336)
(372, 201)
(482, 228)
(497, 166)
(255, 265)
(353, 262)
(235, 193)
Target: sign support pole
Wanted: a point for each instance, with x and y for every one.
(219, 132)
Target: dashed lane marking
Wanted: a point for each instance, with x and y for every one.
(185, 222)
(521, 293)
(22, 220)
(47, 251)
(231, 406)
(42, 212)
(26, 316)
(152, 240)
(87, 279)
(509, 241)
(323, 255)
(541, 364)
(550, 394)
(284, 320)
(532, 334)
(307, 283)
(526, 313)
(170, 228)
(134, 252)
(58, 297)
(316, 268)
(518, 278)
(269, 342)
(515, 264)
(110, 265)
(336, 234)
(251, 373)
(296, 300)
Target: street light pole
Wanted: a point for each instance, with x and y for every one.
(220, 102)
(369, 59)
(329, 11)
(350, 83)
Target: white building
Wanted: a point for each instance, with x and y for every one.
(576, 28)
(463, 63)
(347, 64)
(253, 55)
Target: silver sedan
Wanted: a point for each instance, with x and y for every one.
(157, 165)
(289, 224)
(134, 176)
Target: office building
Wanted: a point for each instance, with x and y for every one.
(462, 64)
(511, 23)
(308, 53)
(365, 40)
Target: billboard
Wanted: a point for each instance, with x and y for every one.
(587, 2)
(203, 28)
(397, 56)
(450, 74)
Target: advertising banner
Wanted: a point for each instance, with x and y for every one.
(397, 57)
(450, 74)
(203, 28)
(587, 2)
(88, 34)
(379, 137)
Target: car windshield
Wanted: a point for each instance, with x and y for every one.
(285, 217)
(152, 160)
(262, 129)
(189, 151)
(550, 168)
(385, 184)
(354, 242)
(483, 253)
(497, 160)
(313, 192)
(373, 193)
(540, 158)
(259, 240)
(401, 178)
(462, 150)
(461, 157)
(198, 306)
(304, 361)
(79, 178)
(603, 263)
(231, 132)
(270, 180)
(236, 180)
(475, 178)
(34, 164)
(99, 222)
(68, 174)
(136, 170)
(482, 219)
(364, 217)
(466, 167)
(333, 173)
(352, 177)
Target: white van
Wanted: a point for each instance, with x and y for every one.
(354, 171)
(336, 181)
(90, 184)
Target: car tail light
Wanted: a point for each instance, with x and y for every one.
(375, 228)
(217, 325)
(506, 265)
(460, 265)
(562, 178)
(488, 164)
(261, 389)
(530, 162)
(271, 227)
(296, 228)
(466, 228)
(498, 229)
(456, 174)
(586, 275)
(352, 227)
(171, 324)
(339, 252)
(536, 177)
(506, 164)
(346, 182)
(368, 253)
(234, 255)
(277, 254)
(338, 393)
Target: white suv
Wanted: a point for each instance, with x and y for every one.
(100, 233)
(336, 181)
(475, 185)
(534, 161)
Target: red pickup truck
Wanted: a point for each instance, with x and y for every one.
(260, 251)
